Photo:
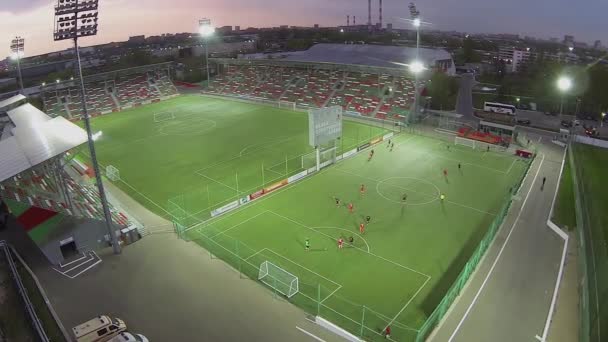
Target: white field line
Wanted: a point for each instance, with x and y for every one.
(310, 334)
(408, 303)
(370, 253)
(421, 193)
(350, 231)
(254, 254)
(266, 197)
(485, 281)
(510, 167)
(311, 271)
(132, 188)
(236, 225)
(380, 181)
(214, 180)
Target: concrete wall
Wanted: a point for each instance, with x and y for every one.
(87, 234)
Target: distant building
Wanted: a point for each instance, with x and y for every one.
(137, 40)
(224, 29)
(389, 27)
(237, 28)
(597, 45)
(554, 40)
(568, 40)
(316, 26)
(515, 59)
(580, 45)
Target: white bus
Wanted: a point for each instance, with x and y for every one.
(501, 108)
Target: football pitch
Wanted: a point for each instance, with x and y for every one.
(204, 152)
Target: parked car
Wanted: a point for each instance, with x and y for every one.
(576, 123)
(100, 328)
(523, 121)
(566, 123)
(129, 337)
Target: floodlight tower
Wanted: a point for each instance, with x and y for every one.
(206, 30)
(564, 83)
(75, 19)
(417, 66)
(17, 50)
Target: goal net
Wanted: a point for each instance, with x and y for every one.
(287, 104)
(278, 278)
(112, 173)
(327, 157)
(163, 116)
(465, 142)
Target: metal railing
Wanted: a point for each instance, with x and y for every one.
(29, 307)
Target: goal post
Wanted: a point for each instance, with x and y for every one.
(163, 116)
(326, 157)
(287, 104)
(465, 142)
(279, 279)
(112, 173)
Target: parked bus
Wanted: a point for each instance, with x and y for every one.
(501, 108)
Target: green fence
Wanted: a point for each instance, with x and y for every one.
(440, 311)
(316, 295)
(593, 255)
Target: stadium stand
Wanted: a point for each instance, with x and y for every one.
(109, 92)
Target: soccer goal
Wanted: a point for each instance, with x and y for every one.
(287, 104)
(465, 142)
(279, 279)
(112, 173)
(326, 158)
(163, 116)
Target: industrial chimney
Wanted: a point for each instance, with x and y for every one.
(348, 20)
(369, 14)
(380, 12)
(354, 20)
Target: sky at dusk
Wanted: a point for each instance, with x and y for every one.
(119, 19)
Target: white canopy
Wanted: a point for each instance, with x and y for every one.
(36, 139)
(11, 100)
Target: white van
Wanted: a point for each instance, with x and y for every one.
(99, 329)
(129, 337)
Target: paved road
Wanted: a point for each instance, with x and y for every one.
(512, 303)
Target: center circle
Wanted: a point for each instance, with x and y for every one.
(418, 191)
(187, 127)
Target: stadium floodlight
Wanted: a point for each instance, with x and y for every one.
(416, 67)
(603, 117)
(17, 51)
(57, 80)
(341, 30)
(416, 22)
(517, 99)
(76, 19)
(206, 30)
(43, 84)
(564, 83)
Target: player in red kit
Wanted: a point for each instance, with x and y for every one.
(361, 228)
(340, 243)
(351, 208)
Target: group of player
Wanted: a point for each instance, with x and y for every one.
(391, 145)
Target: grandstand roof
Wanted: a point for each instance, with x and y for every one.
(11, 100)
(36, 139)
(370, 55)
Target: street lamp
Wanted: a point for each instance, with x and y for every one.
(75, 19)
(17, 50)
(206, 30)
(603, 117)
(564, 84)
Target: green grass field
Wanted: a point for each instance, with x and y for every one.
(201, 152)
(395, 273)
(592, 163)
(565, 215)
